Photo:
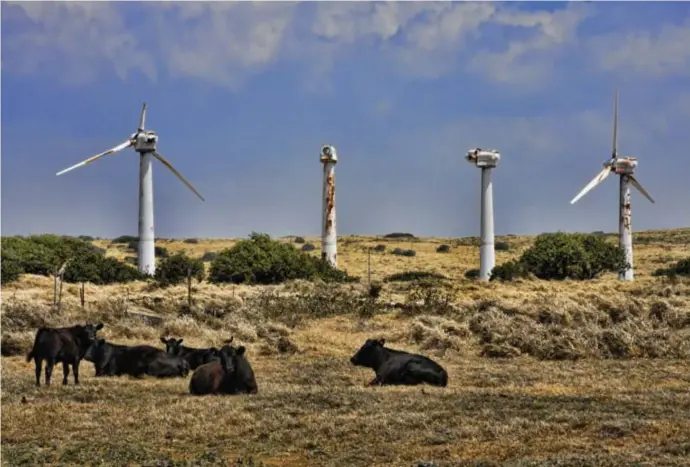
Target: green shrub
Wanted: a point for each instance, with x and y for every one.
(380, 248)
(308, 247)
(41, 254)
(209, 256)
(299, 240)
(561, 255)
(472, 273)
(261, 260)
(443, 249)
(11, 270)
(191, 240)
(399, 235)
(681, 268)
(161, 252)
(86, 238)
(175, 268)
(507, 271)
(502, 246)
(125, 239)
(401, 252)
(409, 276)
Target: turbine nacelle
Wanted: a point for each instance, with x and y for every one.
(484, 158)
(145, 141)
(623, 165)
(328, 154)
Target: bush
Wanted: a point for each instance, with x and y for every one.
(681, 268)
(299, 240)
(261, 260)
(191, 240)
(308, 247)
(161, 252)
(473, 273)
(401, 252)
(561, 255)
(86, 238)
(399, 235)
(443, 249)
(125, 239)
(41, 254)
(502, 246)
(380, 248)
(174, 269)
(11, 270)
(209, 256)
(507, 271)
(409, 276)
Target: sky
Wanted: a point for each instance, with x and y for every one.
(243, 95)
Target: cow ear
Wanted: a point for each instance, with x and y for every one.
(228, 341)
(99, 326)
(163, 340)
(382, 342)
(240, 350)
(179, 341)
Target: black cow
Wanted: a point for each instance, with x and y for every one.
(242, 380)
(398, 367)
(214, 377)
(195, 357)
(66, 345)
(148, 360)
(104, 357)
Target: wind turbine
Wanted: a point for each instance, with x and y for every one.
(329, 238)
(144, 142)
(486, 159)
(625, 167)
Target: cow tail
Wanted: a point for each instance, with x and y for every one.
(33, 348)
(30, 355)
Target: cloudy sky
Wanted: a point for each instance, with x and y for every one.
(243, 95)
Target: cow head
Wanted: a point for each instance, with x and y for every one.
(172, 345)
(227, 361)
(366, 355)
(87, 332)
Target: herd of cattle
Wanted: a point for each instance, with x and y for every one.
(216, 371)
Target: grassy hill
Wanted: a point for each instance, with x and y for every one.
(541, 372)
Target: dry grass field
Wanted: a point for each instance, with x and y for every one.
(542, 373)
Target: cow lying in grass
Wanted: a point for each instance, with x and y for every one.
(66, 345)
(115, 359)
(398, 367)
(231, 374)
(195, 357)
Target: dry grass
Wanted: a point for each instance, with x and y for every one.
(593, 373)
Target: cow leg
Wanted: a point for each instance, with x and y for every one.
(50, 363)
(75, 368)
(374, 382)
(65, 372)
(39, 366)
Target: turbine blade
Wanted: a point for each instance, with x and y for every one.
(637, 185)
(158, 156)
(142, 119)
(117, 148)
(601, 176)
(614, 154)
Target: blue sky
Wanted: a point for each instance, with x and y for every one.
(243, 95)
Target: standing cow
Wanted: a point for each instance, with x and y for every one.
(66, 345)
(398, 367)
(195, 357)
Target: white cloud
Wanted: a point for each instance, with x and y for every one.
(73, 37)
(645, 53)
(226, 42)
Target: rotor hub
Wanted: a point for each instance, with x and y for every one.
(484, 158)
(328, 154)
(145, 141)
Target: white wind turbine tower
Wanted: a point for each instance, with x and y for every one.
(486, 159)
(329, 238)
(625, 167)
(144, 142)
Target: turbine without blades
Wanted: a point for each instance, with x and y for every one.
(625, 167)
(144, 142)
(329, 237)
(486, 159)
